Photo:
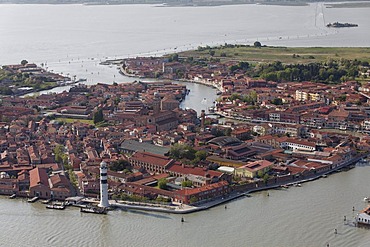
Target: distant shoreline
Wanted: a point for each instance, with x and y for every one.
(336, 4)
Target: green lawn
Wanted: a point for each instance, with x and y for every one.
(73, 120)
(284, 54)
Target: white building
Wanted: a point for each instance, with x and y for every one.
(293, 145)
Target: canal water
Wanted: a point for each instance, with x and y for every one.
(73, 39)
(298, 216)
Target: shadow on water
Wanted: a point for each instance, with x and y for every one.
(362, 164)
(147, 214)
(281, 189)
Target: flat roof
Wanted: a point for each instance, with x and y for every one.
(226, 169)
(135, 146)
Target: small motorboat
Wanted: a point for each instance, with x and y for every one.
(56, 206)
(94, 210)
(32, 200)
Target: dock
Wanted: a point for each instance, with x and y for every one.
(32, 200)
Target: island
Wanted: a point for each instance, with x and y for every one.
(19, 79)
(282, 126)
(338, 24)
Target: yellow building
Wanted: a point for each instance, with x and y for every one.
(251, 169)
(301, 95)
(305, 96)
(224, 162)
(314, 96)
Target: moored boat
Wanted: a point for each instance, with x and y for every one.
(56, 206)
(363, 218)
(46, 201)
(94, 210)
(32, 200)
(12, 196)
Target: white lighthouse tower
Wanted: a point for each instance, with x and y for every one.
(103, 185)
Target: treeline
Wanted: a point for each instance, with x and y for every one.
(328, 72)
(10, 80)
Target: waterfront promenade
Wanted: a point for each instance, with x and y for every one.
(186, 209)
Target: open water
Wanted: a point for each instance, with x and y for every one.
(73, 39)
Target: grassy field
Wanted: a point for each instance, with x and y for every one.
(73, 120)
(289, 55)
(348, 5)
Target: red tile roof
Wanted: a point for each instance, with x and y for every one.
(151, 158)
(195, 191)
(38, 176)
(257, 165)
(198, 171)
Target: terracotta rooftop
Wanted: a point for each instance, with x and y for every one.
(257, 165)
(151, 158)
(38, 176)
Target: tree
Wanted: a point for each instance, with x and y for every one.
(201, 155)
(24, 62)
(193, 199)
(186, 183)
(6, 90)
(260, 174)
(257, 44)
(243, 65)
(228, 131)
(342, 98)
(182, 151)
(212, 53)
(253, 96)
(119, 165)
(174, 57)
(98, 116)
(277, 101)
(59, 155)
(234, 96)
(162, 183)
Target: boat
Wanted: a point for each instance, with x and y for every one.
(366, 199)
(32, 200)
(80, 80)
(324, 176)
(46, 201)
(94, 210)
(363, 218)
(56, 206)
(12, 196)
(363, 162)
(284, 186)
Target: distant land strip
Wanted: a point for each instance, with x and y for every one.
(169, 3)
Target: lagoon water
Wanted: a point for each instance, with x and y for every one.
(298, 216)
(73, 39)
